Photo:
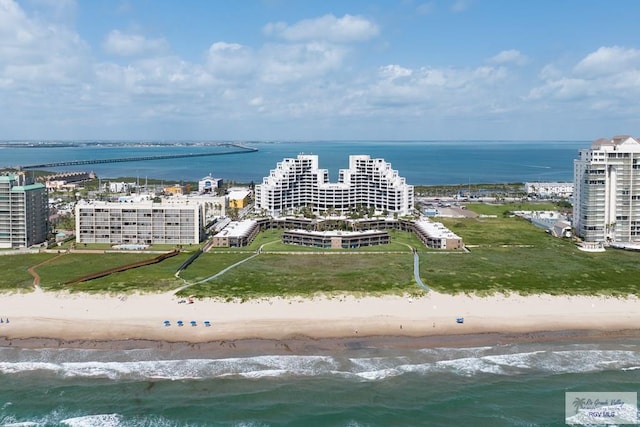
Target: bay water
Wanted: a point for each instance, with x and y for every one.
(420, 162)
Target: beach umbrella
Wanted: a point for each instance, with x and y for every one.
(180, 323)
(167, 323)
(193, 323)
(207, 323)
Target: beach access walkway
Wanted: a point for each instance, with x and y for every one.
(220, 273)
(32, 270)
(416, 271)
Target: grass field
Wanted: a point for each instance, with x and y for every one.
(148, 278)
(15, 276)
(507, 254)
(308, 274)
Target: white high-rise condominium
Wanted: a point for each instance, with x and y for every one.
(24, 212)
(367, 184)
(606, 206)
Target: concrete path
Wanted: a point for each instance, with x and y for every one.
(416, 271)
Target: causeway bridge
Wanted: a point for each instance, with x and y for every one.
(238, 149)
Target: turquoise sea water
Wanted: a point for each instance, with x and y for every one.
(420, 162)
(504, 385)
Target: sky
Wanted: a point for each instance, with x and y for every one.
(319, 69)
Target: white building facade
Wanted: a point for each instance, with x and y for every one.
(142, 222)
(209, 184)
(549, 189)
(24, 212)
(367, 184)
(606, 206)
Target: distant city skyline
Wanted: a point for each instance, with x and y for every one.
(318, 70)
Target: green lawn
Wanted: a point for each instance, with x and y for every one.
(500, 208)
(498, 231)
(286, 275)
(564, 270)
(152, 277)
(210, 263)
(507, 254)
(511, 255)
(15, 276)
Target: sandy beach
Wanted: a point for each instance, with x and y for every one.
(83, 318)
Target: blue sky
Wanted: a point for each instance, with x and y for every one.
(314, 70)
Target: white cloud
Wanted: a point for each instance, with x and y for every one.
(392, 72)
(296, 62)
(608, 60)
(32, 50)
(511, 56)
(230, 60)
(606, 81)
(563, 89)
(347, 29)
(123, 44)
(437, 90)
(55, 80)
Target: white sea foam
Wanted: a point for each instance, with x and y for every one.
(20, 424)
(266, 373)
(380, 374)
(517, 360)
(470, 366)
(17, 367)
(465, 362)
(178, 369)
(101, 420)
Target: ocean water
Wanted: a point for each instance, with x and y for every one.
(420, 162)
(503, 385)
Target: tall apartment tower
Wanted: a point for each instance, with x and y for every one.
(606, 205)
(368, 183)
(24, 212)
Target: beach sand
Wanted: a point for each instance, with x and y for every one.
(41, 318)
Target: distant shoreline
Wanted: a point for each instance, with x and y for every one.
(419, 162)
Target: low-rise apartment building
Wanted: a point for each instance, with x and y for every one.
(236, 234)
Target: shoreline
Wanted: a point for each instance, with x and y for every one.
(247, 347)
(40, 319)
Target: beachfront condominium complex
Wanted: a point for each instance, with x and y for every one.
(369, 184)
(606, 206)
(24, 212)
(139, 223)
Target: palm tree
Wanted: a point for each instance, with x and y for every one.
(578, 403)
